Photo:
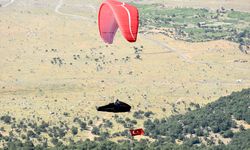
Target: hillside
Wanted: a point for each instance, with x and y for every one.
(55, 70)
(213, 126)
(196, 25)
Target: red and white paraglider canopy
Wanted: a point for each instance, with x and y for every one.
(113, 15)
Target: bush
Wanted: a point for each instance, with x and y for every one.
(83, 125)
(138, 114)
(54, 141)
(192, 141)
(31, 134)
(74, 130)
(228, 134)
(6, 119)
(147, 114)
(95, 131)
(108, 124)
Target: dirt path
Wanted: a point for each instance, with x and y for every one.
(9, 3)
(167, 49)
(60, 4)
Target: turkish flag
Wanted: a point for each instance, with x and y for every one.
(137, 132)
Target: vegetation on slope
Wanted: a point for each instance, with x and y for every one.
(216, 117)
(193, 130)
(196, 25)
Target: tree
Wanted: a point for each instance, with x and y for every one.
(90, 122)
(31, 134)
(74, 130)
(95, 131)
(54, 141)
(228, 134)
(242, 128)
(148, 113)
(6, 119)
(190, 142)
(83, 125)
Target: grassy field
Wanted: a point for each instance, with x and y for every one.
(197, 25)
(240, 5)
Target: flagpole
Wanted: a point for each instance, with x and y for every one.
(132, 141)
(135, 133)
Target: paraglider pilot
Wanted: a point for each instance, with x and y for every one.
(116, 107)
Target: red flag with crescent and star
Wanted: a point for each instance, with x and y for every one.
(137, 132)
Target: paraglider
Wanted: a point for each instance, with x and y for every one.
(116, 107)
(113, 15)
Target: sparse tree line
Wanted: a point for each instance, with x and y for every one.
(239, 141)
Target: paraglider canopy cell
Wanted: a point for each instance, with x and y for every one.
(113, 15)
